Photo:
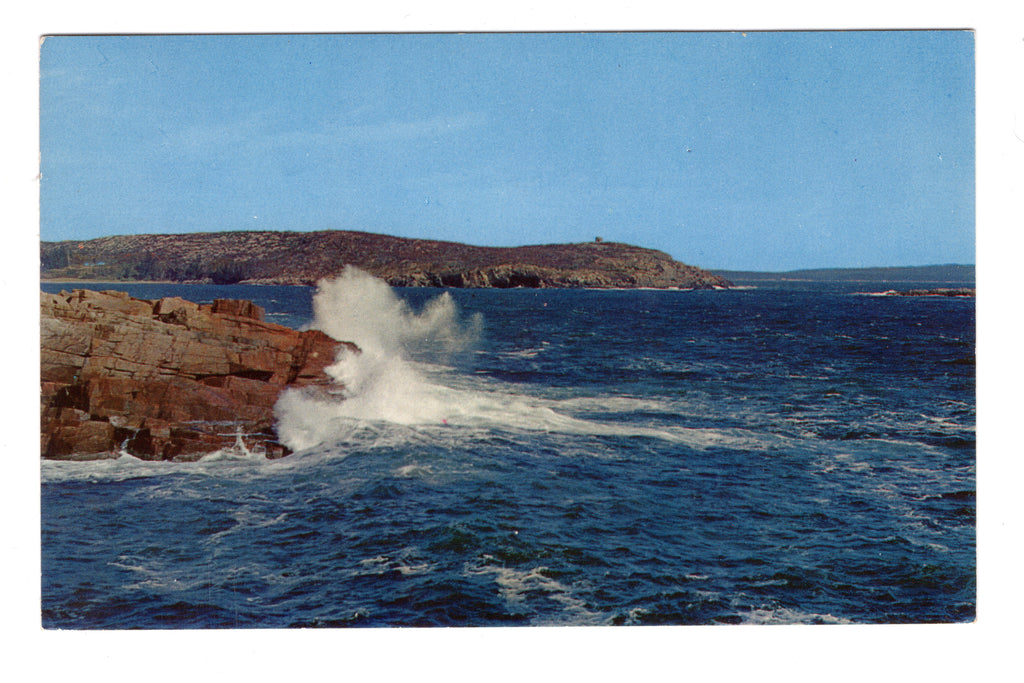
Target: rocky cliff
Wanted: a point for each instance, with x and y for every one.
(305, 258)
(166, 379)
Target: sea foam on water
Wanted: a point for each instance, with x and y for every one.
(384, 383)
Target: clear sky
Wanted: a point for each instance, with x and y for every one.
(757, 151)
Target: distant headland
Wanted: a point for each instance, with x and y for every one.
(959, 274)
(303, 258)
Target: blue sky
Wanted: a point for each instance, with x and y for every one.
(759, 151)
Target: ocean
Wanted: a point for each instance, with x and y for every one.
(790, 453)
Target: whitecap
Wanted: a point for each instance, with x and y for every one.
(785, 615)
(515, 584)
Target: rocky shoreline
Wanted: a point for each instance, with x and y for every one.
(167, 379)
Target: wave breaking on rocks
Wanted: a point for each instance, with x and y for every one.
(168, 379)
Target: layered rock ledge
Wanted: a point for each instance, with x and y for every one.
(167, 379)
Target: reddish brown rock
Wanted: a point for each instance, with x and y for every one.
(166, 379)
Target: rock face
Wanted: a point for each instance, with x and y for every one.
(167, 379)
(290, 258)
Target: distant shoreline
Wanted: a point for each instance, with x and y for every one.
(76, 281)
(941, 274)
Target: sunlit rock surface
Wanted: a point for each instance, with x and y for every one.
(169, 378)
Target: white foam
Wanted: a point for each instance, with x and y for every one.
(228, 462)
(388, 383)
(379, 383)
(308, 419)
(515, 584)
(409, 471)
(784, 615)
(238, 450)
(116, 469)
(383, 383)
(527, 353)
(246, 518)
(156, 578)
(360, 308)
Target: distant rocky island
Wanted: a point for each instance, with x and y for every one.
(303, 258)
(938, 291)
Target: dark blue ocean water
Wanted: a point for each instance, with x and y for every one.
(795, 454)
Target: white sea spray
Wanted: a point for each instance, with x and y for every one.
(387, 382)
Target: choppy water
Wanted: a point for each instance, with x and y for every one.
(535, 457)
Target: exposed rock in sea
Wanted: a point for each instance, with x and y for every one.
(941, 291)
(167, 379)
